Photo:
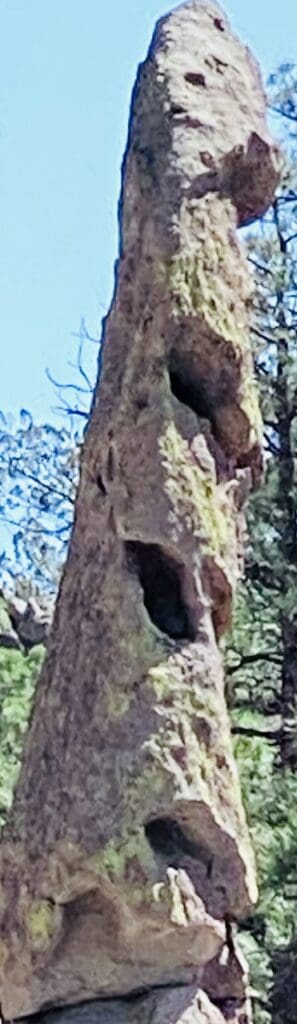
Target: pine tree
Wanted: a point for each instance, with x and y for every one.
(262, 657)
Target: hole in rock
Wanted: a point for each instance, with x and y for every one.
(110, 467)
(177, 110)
(141, 401)
(187, 391)
(195, 78)
(218, 23)
(167, 839)
(101, 486)
(161, 579)
(205, 401)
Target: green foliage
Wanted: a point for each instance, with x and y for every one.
(38, 476)
(283, 96)
(262, 652)
(271, 803)
(18, 674)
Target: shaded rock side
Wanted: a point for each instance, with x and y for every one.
(183, 1005)
(24, 623)
(127, 849)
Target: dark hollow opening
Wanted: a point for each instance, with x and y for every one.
(160, 578)
(218, 23)
(101, 486)
(110, 465)
(177, 110)
(188, 392)
(167, 839)
(195, 78)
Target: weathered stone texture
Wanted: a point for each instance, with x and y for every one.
(172, 1006)
(185, 1005)
(24, 623)
(127, 848)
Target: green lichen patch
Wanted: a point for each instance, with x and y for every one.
(193, 493)
(193, 734)
(203, 281)
(182, 691)
(122, 857)
(208, 283)
(41, 923)
(185, 709)
(117, 701)
(249, 404)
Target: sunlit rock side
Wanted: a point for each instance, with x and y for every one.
(127, 854)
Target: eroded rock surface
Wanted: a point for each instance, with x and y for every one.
(24, 623)
(127, 854)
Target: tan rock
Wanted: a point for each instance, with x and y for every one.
(127, 845)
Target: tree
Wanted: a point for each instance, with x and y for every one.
(38, 478)
(18, 675)
(262, 655)
(38, 473)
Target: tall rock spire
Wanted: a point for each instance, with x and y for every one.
(127, 857)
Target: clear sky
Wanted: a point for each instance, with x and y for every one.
(66, 73)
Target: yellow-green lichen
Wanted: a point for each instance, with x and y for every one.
(198, 287)
(193, 493)
(208, 277)
(208, 280)
(119, 854)
(186, 742)
(249, 404)
(141, 643)
(187, 695)
(40, 923)
(183, 757)
(118, 702)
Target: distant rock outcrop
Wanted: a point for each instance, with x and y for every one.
(24, 622)
(127, 856)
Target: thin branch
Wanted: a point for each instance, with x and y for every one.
(264, 337)
(67, 387)
(262, 369)
(83, 333)
(80, 365)
(283, 200)
(250, 659)
(76, 412)
(273, 735)
(44, 530)
(272, 447)
(281, 240)
(272, 425)
(259, 266)
(46, 487)
(284, 113)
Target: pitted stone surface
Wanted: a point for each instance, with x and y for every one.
(127, 847)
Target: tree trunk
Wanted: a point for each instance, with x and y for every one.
(127, 856)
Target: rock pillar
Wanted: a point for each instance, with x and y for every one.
(127, 857)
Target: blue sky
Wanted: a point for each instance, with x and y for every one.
(66, 73)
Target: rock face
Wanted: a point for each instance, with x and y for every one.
(127, 855)
(24, 623)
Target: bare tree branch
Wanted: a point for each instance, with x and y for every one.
(250, 659)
